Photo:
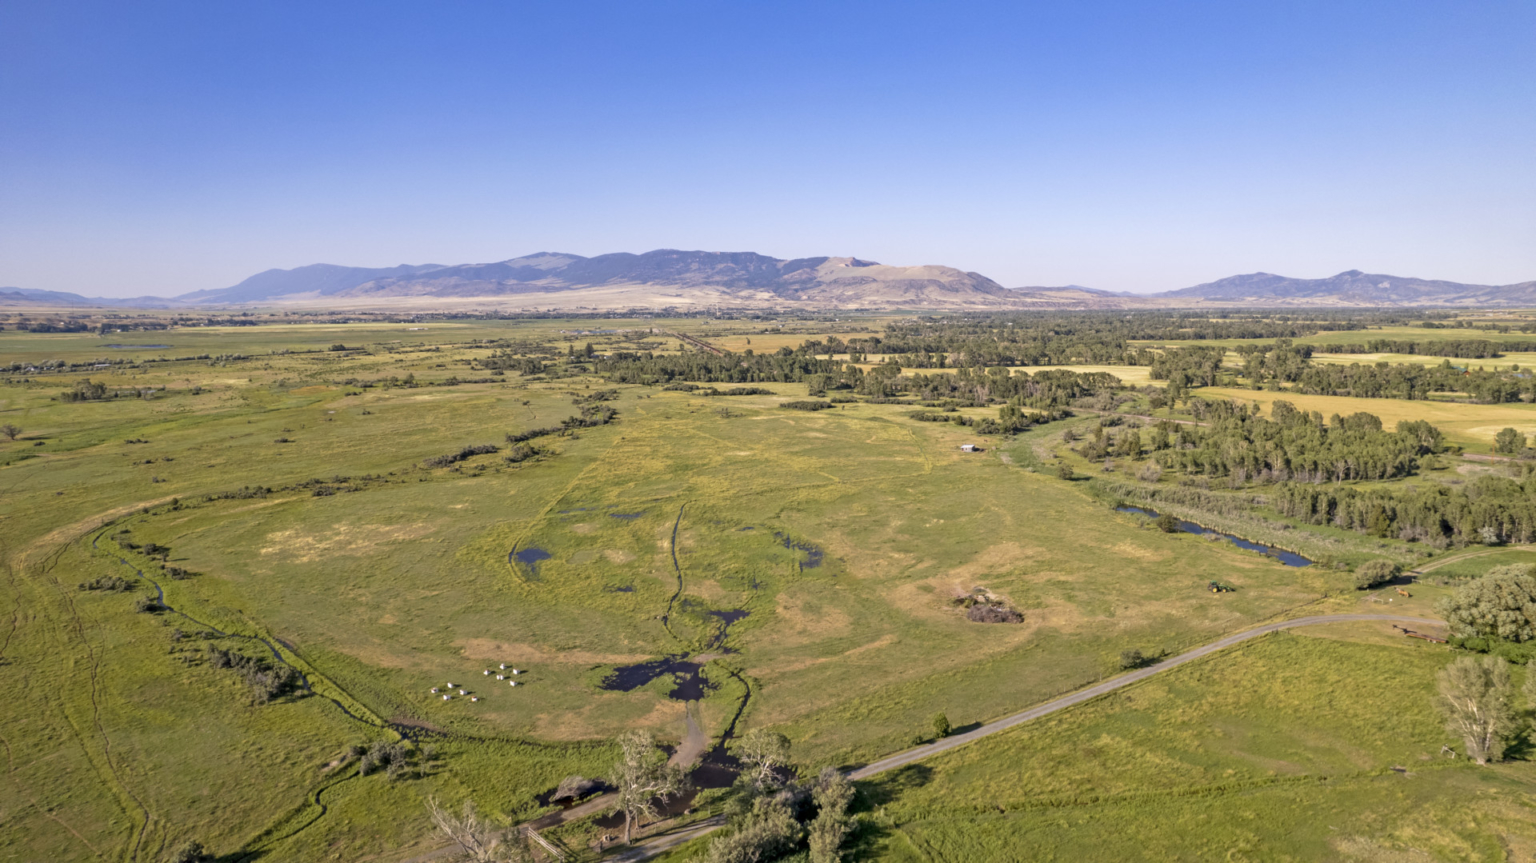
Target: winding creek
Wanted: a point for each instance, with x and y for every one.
(1289, 558)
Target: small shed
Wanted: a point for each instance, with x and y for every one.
(969, 447)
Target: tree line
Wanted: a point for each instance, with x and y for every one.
(1290, 445)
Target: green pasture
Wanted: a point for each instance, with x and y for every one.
(844, 535)
(1289, 748)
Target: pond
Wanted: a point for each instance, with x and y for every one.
(530, 558)
(813, 555)
(689, 685)
(1289, 558)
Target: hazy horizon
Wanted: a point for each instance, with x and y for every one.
(180, 147)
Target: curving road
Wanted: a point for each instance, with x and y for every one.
(666, 841)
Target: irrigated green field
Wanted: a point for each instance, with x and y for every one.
(298, 502)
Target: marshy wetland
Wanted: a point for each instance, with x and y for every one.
(363, 517)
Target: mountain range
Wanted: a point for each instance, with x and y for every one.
(673, 278)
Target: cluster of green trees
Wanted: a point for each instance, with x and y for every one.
(1065, 338)
(1184, 368)
(1467, 349)
(1046, 389)
(1290, 445)
(1276, 361)
(1412, 381)
(1492, 614)
(772, 815)
(1488, 510)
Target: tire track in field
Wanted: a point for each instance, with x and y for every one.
(75, 623)
(10, 758)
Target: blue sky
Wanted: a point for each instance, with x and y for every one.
(166, 147)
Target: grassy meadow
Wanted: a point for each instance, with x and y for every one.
(316, 532)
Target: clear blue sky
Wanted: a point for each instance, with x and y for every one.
(151, 147)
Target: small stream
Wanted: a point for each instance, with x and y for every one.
(1289, 558)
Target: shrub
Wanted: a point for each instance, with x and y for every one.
(1131, 658)
(804, 405)
(522, 452)
(465, 453)
(574, 788)
(190, 852)
(148, 605)
(1167, 523)
(265, 680)
(992, 612)
(941, 726)
(1375, 572)
(109, 583)
(1064, 472)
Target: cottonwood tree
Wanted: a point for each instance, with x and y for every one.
(763, 752)
(766, 831)
(1501, 604)
(477, 841)
(641, 777)
(832, 794)
(1475, 697)
(10, 430)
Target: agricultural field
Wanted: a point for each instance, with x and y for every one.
(386, 508)
(1473, 426)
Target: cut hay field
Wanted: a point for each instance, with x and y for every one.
(281, 500)
(1523, 359)
(1472, 426)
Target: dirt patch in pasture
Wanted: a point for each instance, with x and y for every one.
(416, 723)
(794, 623)
(489, 649)
(581, 724)
(303, 547)
(618, 555)
(788, 668)
(584, 527)
(1137, 552)
(379, 655)
(709, 590)
(866, 560)
(995, 560)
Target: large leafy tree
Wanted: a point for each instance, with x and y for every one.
(1475, 696)
(1501, 605)
(642, 777)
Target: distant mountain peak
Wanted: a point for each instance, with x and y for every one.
(736, 277)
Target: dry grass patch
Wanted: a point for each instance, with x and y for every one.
(492, 650)
(343, 539)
